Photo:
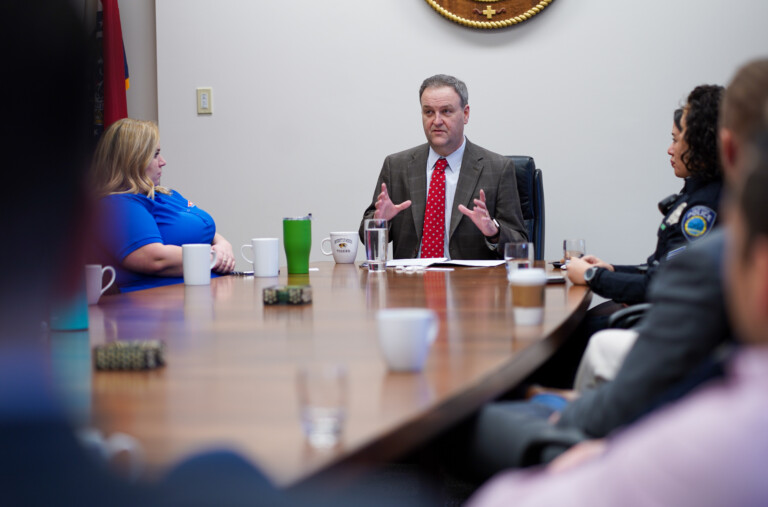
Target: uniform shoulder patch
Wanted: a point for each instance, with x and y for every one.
(697, 222)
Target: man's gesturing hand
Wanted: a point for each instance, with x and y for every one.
(480, 216)
(385, 208)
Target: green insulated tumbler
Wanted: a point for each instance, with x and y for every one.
(297, 240)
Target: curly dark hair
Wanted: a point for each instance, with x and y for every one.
(702, 158)
(677, 117)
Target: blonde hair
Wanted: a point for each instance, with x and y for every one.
(744, 109)
(120, 163)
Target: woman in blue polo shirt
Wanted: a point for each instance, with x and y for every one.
(142, 224)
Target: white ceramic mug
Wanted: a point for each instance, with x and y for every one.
(405, 335)
(343, 246)
(266, 253)
(198, 260)
(94, 278)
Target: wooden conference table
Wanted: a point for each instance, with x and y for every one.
(230, 378)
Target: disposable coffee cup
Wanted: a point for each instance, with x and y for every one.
(528, 295)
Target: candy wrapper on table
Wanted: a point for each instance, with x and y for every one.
(288, 295)
(129, 355)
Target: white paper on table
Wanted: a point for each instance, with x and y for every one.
(415, 262)
(443, 261)
(474, 264)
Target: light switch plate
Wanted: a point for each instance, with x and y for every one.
(205, 101)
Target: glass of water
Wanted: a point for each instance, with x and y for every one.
(518, 255)
(322, 393)
(376, 243)
(573, 248)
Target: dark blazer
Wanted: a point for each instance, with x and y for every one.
(406, 178)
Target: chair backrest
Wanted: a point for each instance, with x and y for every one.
(530, 187)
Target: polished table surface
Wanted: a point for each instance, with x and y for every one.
(230, 378)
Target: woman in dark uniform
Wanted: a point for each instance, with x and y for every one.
(688, 215)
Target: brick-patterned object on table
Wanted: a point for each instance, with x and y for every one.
(129, 355)
(287, 294)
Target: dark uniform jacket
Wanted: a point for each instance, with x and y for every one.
(688, 216)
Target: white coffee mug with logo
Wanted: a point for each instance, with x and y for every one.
(94, 277)
(343, 246)
(266, 252)
(405, 335)
(197, 260)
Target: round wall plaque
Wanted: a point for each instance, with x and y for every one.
(488, 13)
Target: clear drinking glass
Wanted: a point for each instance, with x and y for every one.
(518, 255)
(322, 392)
(376, 243)
(573, 248)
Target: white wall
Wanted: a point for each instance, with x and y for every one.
(310, 96)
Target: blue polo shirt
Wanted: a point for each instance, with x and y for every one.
(131, 221)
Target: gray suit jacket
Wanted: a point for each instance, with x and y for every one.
(406, 178)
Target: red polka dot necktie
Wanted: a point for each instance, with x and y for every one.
(434, 217)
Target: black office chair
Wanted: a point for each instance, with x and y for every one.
(530, 186)
(628, 317)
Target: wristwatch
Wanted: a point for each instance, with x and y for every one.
(590, 273)
(498, 230)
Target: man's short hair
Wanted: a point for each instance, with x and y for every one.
(752, 199)
(440, 80)
(744, 108)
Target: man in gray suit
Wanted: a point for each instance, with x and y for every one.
(479, 184)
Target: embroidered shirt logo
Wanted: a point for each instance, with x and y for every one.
(698, 221)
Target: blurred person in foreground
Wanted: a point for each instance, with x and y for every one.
(143, 224)
(48, 139)
(708, 449)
